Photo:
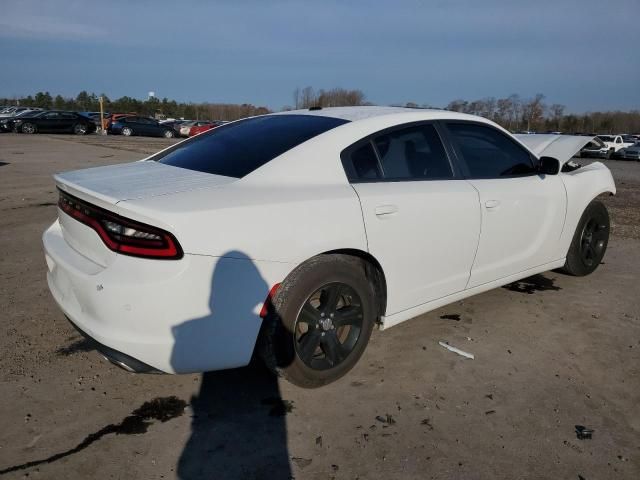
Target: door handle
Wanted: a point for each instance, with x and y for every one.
(382, 210)
(492, 203)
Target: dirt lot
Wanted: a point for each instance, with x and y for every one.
(551, 352)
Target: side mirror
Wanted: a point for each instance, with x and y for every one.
(549, 166)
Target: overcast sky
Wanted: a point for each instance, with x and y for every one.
(584, 54)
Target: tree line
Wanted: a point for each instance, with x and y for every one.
(154, 107)
(533, 114)
(513, 112)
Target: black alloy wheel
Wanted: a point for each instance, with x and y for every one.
(590, 241)
(593, 240)
(328, 326)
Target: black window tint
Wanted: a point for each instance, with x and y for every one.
(239, 148)
(365, 163)
(413, 153)
(489, 153)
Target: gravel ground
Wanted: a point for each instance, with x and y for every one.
(551, 352)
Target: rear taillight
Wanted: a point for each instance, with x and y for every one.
(121, 234)
(267, 306)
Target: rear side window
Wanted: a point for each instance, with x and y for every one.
(411, 153)
(239, 148)
(365, 163)
(414, 153)
(489, 153)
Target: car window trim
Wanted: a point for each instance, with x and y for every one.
(466, 173)
(345, 156)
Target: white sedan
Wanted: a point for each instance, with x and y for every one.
(294, 234)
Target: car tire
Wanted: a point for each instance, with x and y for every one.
(609, 155)
(299, 340)
(28, 128)
(127, 131)
(80, 129)
(589, 242)
(169, 134)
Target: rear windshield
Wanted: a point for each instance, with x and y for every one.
(239, 148)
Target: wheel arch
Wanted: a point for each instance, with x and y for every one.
(374, 273)
(583, 186)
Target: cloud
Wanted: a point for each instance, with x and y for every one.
(44, 27)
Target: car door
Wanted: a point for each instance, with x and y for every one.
(522, 211)
(422, 219)
(49, 122)
(154, 128)
(66, 121)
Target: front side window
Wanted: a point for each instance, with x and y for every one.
(237, 149)
(489, 153)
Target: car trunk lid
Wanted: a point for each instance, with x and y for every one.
(109, 187)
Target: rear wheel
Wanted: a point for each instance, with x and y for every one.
(127, 131)
(28, 128)
(80, 129)
(169, 134)
(322, 319)
(589, 242)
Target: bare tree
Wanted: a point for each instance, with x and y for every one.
(557, 112)
(296, 98)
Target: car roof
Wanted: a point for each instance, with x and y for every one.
(355, 113)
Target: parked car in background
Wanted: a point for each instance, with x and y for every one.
(115, 116)
(596, 148)
(54, 121)
(294, 234)
(614, 143)
(95, 116)
(630, 153)
(143, 126)
(196, 129)
(13, 111)
(175, 124)
(185, 128)
(7, 124)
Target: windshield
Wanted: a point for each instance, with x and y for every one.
(606, 138)
(239, 148)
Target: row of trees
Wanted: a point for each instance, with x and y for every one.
(512, 112)
(533, 114)
(89, 102)
(336, 97)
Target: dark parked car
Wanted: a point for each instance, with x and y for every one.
(140, 126)
(54, 121)
(7, 124)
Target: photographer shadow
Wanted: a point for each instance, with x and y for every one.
(238, 427)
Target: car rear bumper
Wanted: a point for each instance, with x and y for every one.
(195, 314)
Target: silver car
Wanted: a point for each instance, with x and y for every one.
(631, 153)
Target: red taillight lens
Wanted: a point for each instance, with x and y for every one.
(121, 234)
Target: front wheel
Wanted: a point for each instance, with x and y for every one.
(28, 128)
(322, 319)
(127, 132)
(589, 242)
(169, 134)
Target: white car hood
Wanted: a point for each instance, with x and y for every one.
(562, 147)
(137, 180)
